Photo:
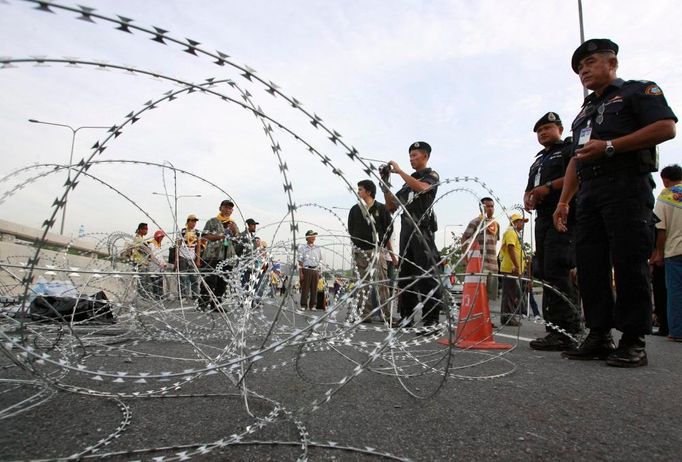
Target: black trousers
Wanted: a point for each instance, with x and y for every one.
(418, 276)
(215, 280)
(555, 253)
(660, 298)
(614, 231)
(511, 297)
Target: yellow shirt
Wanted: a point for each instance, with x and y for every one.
(321, 283)
(511, 237)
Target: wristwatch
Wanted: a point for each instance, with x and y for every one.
(549, 185)
(610, 150)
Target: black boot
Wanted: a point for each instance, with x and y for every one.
(597, 345)
(554, 341)
(630, 352)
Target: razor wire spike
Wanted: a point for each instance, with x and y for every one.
(44, 6)
(333, 139)
(272, 88)
(295, 103)
(292, 208)
(101, 65)
(123, 24)
(96, 145)
(191, 46)
(159, 36)
(58, 202)
(86, 12)
(283, 167)
(276, 148)
(48, 223)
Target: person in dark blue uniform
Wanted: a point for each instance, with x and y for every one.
(418, 276)
(554, 250)
(615, 136)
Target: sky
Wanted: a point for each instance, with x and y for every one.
(469, 77)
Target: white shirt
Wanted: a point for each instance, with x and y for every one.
(310, 255)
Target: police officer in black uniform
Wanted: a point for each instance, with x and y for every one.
(418, 277)
(554, 250)
(615, 137)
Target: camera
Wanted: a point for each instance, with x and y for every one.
(385, 174)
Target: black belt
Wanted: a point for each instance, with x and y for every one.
(593, 171)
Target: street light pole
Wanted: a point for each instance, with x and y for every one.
(176, 197)
(73, 142)
(445, 232)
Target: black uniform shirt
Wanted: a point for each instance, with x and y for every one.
(623, 108)
(360, 229)
(549, 165)
(418, 205)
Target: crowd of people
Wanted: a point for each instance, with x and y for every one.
(204, 259)
(592, 193)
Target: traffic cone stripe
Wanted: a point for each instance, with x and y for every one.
(474, 329)
(474, 279)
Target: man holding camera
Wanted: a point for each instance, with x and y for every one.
(418, 277)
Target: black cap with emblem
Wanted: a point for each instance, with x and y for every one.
(590, 47)
(549, 118)
(421, 145)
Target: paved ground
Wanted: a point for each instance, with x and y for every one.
(523, 405)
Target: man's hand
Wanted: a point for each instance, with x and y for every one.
(593, 149)
(537, 195)
(656, 258)
(560, 217)
(233, 227)
(395, 168)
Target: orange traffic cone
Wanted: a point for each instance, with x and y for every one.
(474, 329)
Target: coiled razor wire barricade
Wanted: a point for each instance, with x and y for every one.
(167, 349)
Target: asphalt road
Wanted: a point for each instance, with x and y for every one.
(516, 405)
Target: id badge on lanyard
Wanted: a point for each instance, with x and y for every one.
(585, 134)
(536, 181)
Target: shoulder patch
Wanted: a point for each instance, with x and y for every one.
(653, 90)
